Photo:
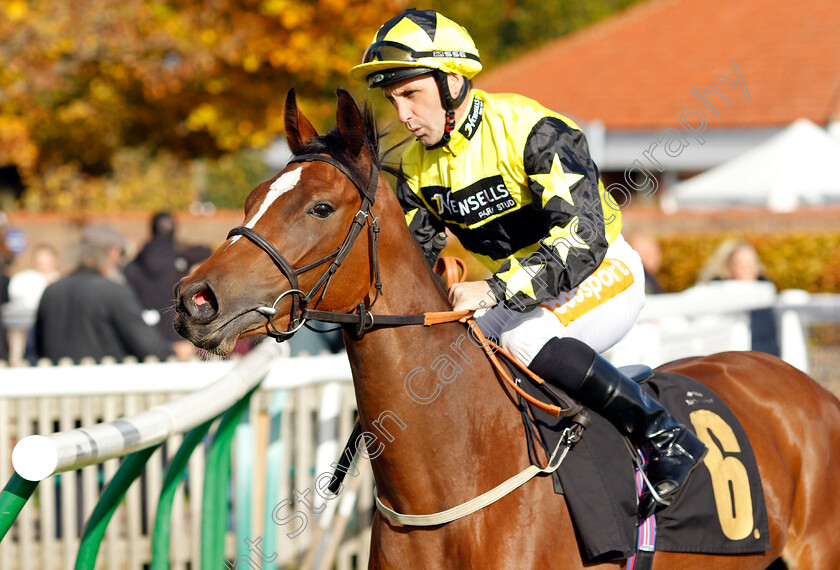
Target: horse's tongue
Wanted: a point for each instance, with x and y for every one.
(200, 299)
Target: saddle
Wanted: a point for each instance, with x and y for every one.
(720, 511)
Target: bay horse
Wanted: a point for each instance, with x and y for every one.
(326, 236)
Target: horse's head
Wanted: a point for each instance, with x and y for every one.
(292, 250)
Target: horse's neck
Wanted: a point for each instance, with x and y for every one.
(426, 395)
(409, 288)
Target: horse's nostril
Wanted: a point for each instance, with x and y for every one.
(201, 298)
(199, 301)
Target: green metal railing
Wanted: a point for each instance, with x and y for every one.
(227, 398)
(223, 404)
(214, 508)
(14, 496)
(174, 475)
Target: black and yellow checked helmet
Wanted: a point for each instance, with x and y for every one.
(417, 42)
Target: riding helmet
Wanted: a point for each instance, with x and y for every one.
(417, 42)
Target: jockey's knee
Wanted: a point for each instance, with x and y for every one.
(563, 362)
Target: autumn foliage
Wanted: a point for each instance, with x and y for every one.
(108, 104)
(82, 79)
(792, 260)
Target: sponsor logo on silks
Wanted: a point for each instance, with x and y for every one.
(443, 53)
(610, 279)
(471, 205)
(470, 126)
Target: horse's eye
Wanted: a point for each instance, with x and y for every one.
(321, 210)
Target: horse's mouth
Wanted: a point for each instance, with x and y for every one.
(221, 338)
(202, 318)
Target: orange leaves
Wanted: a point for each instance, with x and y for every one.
(80, 80)
(16, 145)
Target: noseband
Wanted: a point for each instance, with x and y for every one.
(299, 312)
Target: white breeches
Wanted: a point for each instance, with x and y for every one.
(599, 311)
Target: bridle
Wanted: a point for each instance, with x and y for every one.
(300, 312)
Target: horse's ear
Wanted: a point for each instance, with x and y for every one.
(350, 122)
(299, 130)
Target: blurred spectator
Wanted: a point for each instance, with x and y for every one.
(25, 290)
(744, 265)
(154, 273)
(4, 297)
(5, 261)
(738, 260)
(651, 253)
(733, 259)
(88, 314)
(195, 255)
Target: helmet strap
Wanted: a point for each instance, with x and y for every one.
(450, 103)
(448, 127)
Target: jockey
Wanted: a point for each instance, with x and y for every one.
(515, 183)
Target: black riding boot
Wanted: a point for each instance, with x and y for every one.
(672, 451)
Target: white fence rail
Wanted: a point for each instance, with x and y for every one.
(302, 402)
(715, 318)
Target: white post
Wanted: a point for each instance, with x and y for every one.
(794, 346)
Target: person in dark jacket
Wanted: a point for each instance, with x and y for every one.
(5, 260)
(154, 272)
(738, 260)
(744, 264)
(86, 314)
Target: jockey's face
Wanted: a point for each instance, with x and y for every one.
(419, 108)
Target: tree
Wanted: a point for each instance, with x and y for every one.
(80, 79)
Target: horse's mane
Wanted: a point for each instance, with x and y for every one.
(334, 144)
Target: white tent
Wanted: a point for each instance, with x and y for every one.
(797, 166)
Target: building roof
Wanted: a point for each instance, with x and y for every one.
(636, 69)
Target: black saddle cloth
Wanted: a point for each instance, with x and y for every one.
(721, 510)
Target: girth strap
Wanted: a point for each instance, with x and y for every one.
(569, 437)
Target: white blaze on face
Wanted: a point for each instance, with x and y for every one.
(277, 189)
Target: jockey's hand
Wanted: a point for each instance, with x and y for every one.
(471, 295)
